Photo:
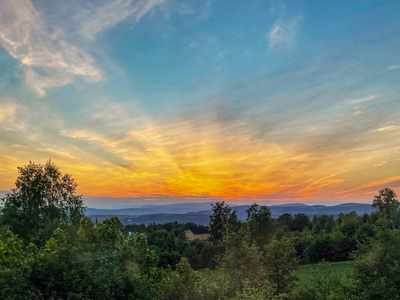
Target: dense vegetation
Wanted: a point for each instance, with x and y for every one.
(50, 250)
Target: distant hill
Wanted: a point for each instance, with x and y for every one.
(139, 210)
(199, 212)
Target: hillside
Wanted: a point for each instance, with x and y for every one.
(199, 212)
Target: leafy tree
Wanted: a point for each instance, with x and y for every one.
(320, 247)
(285, 219)
(377, 265)
(387, 203)
(325, 285)
(222, 215)
(87, 233)
(181, 283)
(192, 255)
(299, 222)
(280, 262)
(322, 224)
(16, 262)
(323, 281)
(171, 258)
(260, 221)
(109, 233)
(242, 261)
(42, 195)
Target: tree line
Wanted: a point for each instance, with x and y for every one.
(49, 249)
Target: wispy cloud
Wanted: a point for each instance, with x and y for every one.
(197, 11)
(100, 18)
(283, 33)
(380, 164)
(48, 62)
(387, 128)
(54, 151)
(51, 58)
(7, 109)
(206, 154)
(200, 154)
(394, 67)
(373, 186)
(354, 101)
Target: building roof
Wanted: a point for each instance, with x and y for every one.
(198, 230)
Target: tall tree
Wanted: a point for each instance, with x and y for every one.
(377, 264)
(42, 194)
(242, 261)
(260, 221)
(280, 262)
(386, 202)
(222, 215)
(299, 222)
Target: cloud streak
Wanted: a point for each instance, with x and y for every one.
(102, 17)
(48, 62)
(355, 101)
(48, 58)
(394, 67)
(283, 33)
(204, 154)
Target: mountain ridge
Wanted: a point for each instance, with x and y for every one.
(185, 212)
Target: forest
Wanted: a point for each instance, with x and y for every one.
(49, 249)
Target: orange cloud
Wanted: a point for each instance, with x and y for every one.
(202, 156)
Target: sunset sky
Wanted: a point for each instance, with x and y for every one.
(171, 100)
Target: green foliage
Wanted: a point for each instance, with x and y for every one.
(325, 284)
(212, 284)
(49, 250)
(242, 261)
(386, 202)
(222, 215)
(260, 221)
(377, 264)
(16, 263)
(280, 262)
(342, 270)
(42, 195)
(299, 222)
(109, 233)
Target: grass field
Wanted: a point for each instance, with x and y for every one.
(340, 269)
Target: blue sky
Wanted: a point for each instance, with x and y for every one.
(282, 100)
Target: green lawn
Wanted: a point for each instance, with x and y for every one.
(340, 269)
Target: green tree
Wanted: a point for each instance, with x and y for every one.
(377, 264)
(42, 195)
(285, 219)
(109, 233)
(16, 262)
(280, 262)
(242, 261)
(325, 285)
(221, 216)
(387, 203)
(324, 282)
(179, 284)
(260, 221)
(299, 222)
(87, 233)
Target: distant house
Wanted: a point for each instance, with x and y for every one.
(196, 233)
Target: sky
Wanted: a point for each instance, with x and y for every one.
(166, 101)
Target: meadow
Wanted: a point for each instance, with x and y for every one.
(339, 269)
(304, 273)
